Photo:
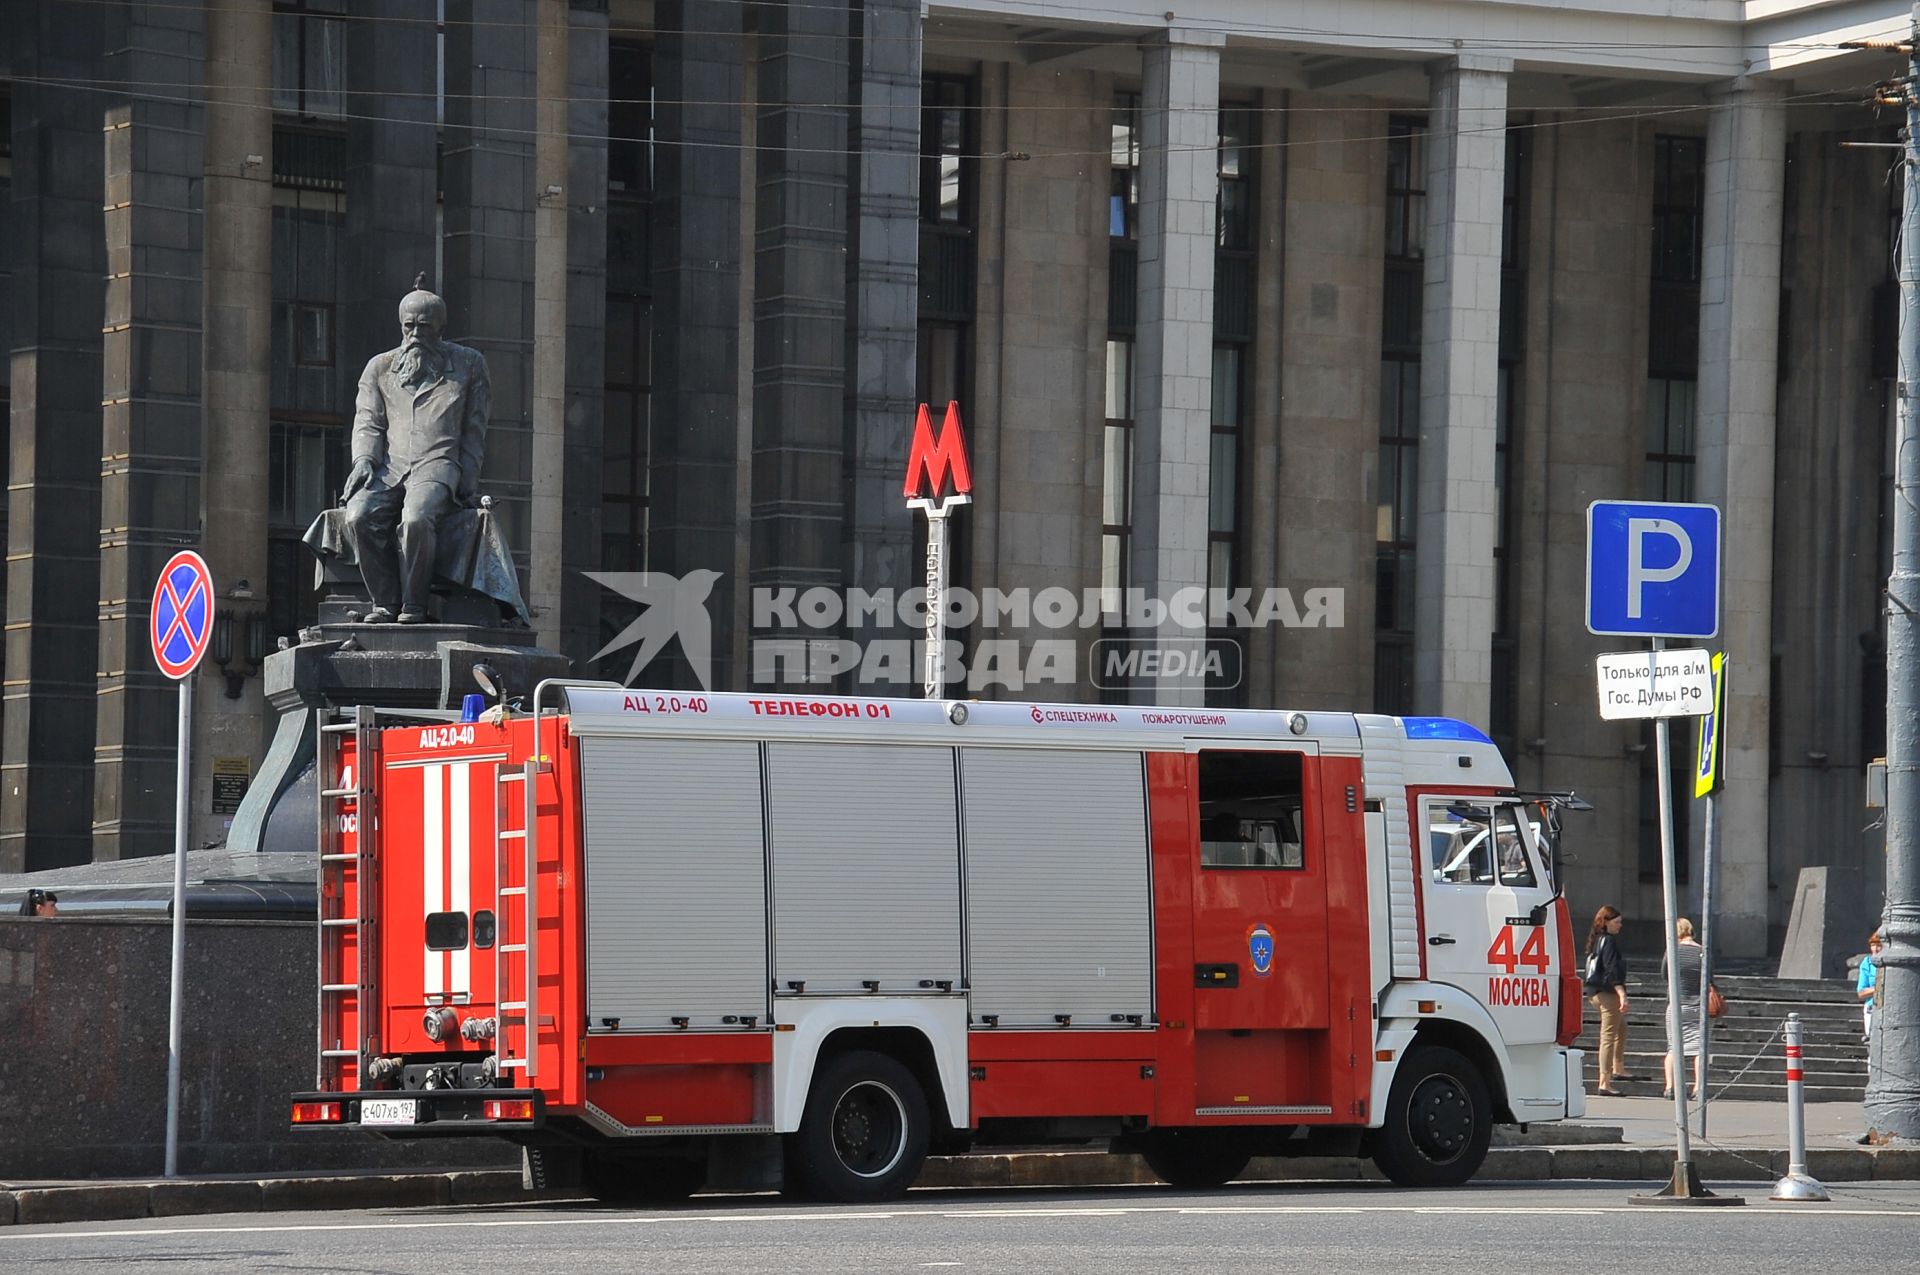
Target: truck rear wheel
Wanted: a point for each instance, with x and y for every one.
(1439, 1120)
(1196, 1159)
(863, 1136)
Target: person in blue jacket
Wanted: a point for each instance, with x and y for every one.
(1868, 985)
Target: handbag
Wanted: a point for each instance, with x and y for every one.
(1716, 1003)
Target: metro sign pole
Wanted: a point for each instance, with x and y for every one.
(930, 464)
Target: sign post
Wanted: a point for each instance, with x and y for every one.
(1653, 571)
(180, 625)
(1706, 782)
(929, 466)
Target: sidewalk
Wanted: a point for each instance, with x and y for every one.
(1619, 1139)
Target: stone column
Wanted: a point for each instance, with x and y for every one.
(53, 517)
(151, 446)
(1459, 385)
(696, 249)
(392, 191)
(236, 358)
(1334, 228)
(1179, 106)
(1739, 350)
(549, 336)
(800, 301)
(585, 120)
(883, 304)
(489, 222)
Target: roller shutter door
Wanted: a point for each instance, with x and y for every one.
(676, 881)
(1058, 886)
(866, 871)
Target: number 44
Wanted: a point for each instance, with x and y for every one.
(1532, 953)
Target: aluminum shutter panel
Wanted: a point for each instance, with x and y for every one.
(1059, 899)
(676, 881)
(866, 866)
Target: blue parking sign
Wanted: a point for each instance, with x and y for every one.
(1653, 569)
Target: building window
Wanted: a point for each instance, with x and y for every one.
(1406, 189)
(313, 334)
(1680, 776)
(1223, 469)
(1123, 199)
(1397, 503)
(630, 120)
(946, 166)
(310, 57)
(1678, 192)
(624, 484)
(306, 469)
(1116, 493)
(1234, 220)
(1670, 438)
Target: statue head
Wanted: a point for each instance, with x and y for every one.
(423, 316)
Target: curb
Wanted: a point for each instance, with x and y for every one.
(108, 1201)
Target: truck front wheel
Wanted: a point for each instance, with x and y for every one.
(1439, 1120)
(863, 1136)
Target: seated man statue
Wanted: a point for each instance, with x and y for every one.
(419, 431)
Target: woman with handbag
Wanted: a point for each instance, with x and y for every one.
(1692, 959)
(1605, 982)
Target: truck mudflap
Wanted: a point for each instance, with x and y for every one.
(437, 1112)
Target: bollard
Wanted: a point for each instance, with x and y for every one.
(1798, 1184)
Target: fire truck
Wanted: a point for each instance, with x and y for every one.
(654, 937)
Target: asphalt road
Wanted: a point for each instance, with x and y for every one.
(1324, 1230)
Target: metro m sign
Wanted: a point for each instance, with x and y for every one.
(933, 460)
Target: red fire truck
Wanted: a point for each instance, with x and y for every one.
(650, 935)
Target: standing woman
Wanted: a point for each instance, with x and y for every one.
(1692, 959)
(1606, 986)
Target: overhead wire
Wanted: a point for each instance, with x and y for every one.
(1618, 113)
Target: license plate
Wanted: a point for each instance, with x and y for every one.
(389, 1111)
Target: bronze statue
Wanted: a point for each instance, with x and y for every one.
(419, 431)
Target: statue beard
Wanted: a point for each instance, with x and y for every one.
(419, 364)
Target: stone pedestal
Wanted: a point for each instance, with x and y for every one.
(427, 667)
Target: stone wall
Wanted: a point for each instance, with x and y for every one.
(83, 1080)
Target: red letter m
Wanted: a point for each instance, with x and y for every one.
(935, 460)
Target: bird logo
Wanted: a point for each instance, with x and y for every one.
(676, 606)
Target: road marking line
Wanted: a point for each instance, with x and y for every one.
(1011, 1213)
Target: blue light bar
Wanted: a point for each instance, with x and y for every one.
(1443, 728)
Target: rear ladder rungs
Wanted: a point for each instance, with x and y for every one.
(335, 921)
(514, 834)
(338, 858)
(513, 891)
(339, 1053)
(339, 987)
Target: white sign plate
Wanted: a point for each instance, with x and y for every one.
(1655, 684)
(389, 1111)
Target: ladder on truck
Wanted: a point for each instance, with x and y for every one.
(348, 889)
(523, 1013)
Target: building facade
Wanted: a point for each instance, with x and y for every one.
(1363, 303)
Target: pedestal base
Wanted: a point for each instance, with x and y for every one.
(423, 667)
(1685, 1188)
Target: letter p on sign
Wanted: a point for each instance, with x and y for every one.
(1653, 569)
(1639, 574)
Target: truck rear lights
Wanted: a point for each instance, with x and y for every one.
(508, 1108)
(316, 1113)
